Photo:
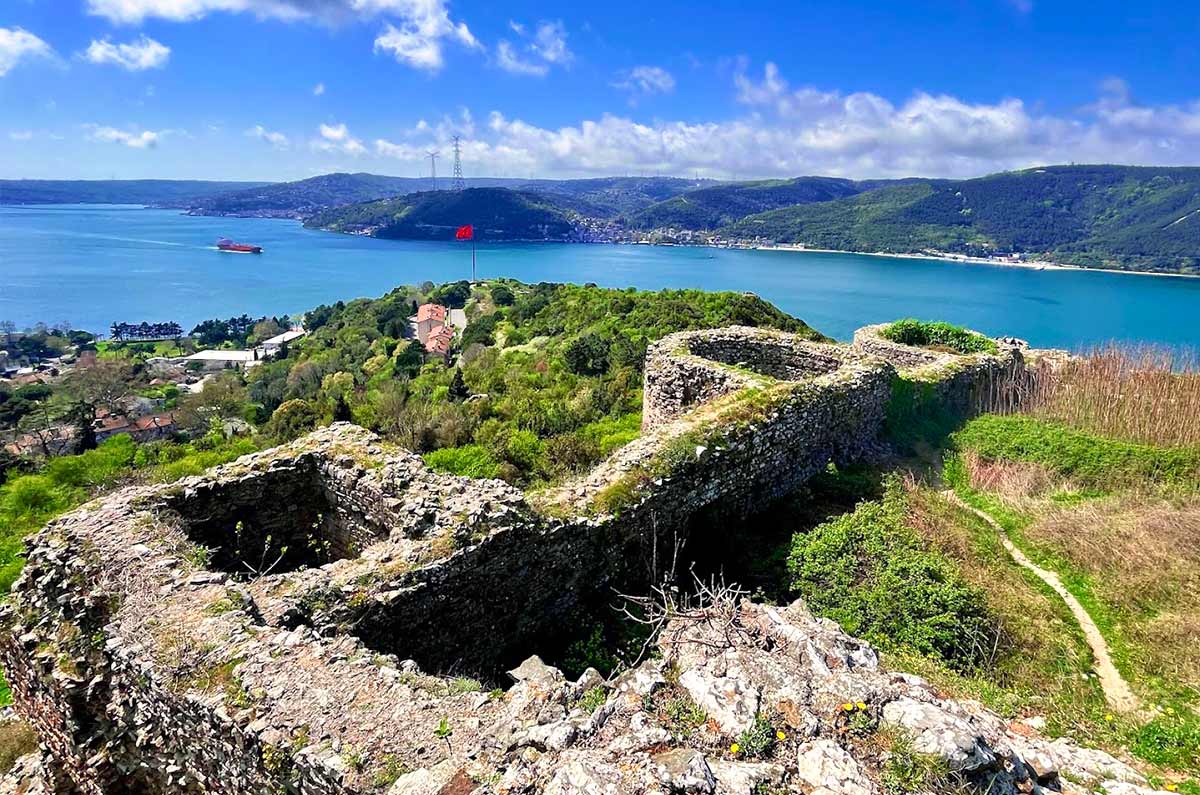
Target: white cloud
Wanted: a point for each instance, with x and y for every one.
(146, 139)
(275, 139)
(646, 80)
(145, 53)
(414, 33)
(417, 42)
(789, 131)
(319, 89)
(336, 138)
(21, 135)
(509, 61)
(550, 43)
(547, 47)
(17, 44)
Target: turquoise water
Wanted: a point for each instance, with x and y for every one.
(92, 265)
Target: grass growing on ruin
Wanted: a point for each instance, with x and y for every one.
(938, 336)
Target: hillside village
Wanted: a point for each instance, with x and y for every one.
(25, 372)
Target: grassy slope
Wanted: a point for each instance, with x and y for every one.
(1115, 216)
(1125, 538)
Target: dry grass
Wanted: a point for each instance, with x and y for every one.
(1140, 393)
(1140, 551)
(1039, 647)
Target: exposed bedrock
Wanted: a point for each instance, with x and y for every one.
(291, 622)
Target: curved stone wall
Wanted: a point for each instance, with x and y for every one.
(252, 629)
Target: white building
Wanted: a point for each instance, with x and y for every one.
(274, 346)
(222, 360)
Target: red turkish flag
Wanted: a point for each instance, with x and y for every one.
(465, 233)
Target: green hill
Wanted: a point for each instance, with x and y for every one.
(113, 191)
(304, 197)
(611, 197)
(1136, 218)
(716, 206)
(496, 213)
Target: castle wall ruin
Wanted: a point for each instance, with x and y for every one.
(247, 630)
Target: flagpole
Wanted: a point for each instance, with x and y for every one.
(473, 256)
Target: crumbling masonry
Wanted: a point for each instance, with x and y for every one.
(300, 620)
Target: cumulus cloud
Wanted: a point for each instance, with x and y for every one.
(145, 139)
(275, 139)
(136, 56)
(319, 89)
(787, 131)
(536, 53)
(646, 80)
(336, 138)
(417, 42)
(17, 44)
(414, 32)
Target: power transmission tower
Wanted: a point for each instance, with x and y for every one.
(433, 156)
(458, 183)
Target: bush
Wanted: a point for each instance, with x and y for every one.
(502, 296)
(873, 574)
(470, 460)
(938, 335)
(293, 419)
(587, 355)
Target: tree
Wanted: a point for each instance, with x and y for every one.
(84, 417)
(587, 354)
(458, 387)
(502, 296)
(293, 419)
(222, 396)
(7, 328)
(104, 383)
(341, 410)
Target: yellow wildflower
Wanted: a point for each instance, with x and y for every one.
(733, 749)
(848, 707)
(1108, 718)
(779, 735)
(861, 706)
(1172, 787)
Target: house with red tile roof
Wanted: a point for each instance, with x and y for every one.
(428, 318)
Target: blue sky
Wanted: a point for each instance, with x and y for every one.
(283, 89)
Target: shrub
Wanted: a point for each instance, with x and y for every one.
(587, 354)
(470, 460)
(502, 296)
(293, 419)
(873, 574)
(938, 335)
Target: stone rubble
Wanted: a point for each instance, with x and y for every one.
(300, 620)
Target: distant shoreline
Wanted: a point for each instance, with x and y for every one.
(1037, 265)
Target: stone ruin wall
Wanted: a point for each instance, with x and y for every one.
(454, 573)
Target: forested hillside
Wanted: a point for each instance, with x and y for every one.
(304, 197)
(718, 205)
(1101, 216)
(496, 213)
(121, 191)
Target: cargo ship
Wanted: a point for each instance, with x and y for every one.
(225, 244)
